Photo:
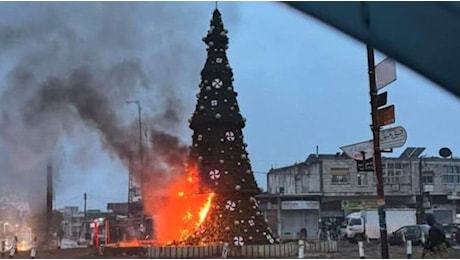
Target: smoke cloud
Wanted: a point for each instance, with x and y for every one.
(68, 67)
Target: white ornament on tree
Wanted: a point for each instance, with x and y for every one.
(214, 174)
(238, 240)
(230, 136)
(217, 83)
(230, 205)
(270, 239)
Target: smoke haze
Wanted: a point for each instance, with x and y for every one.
(68, 70)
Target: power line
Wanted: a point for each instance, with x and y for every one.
(68, 200)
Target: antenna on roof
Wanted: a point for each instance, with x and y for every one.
(216, 4)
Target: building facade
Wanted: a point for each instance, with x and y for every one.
(74, 219)
(321, 191)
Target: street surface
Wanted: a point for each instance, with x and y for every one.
(347, 250)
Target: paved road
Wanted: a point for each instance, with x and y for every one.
(347, 250)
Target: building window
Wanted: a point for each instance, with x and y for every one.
(392, 172)
(281, 190)
(363, 179)
(427, 177)
(451, 178)
(451, 169)
(340, 175)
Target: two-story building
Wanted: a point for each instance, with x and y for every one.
(325, 188)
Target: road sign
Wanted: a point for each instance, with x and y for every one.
(365, 165)
(358, 204)
(392, 137)
(355, 151)
(389, 138)
(386, 115)
(382, 99)
(385, 73)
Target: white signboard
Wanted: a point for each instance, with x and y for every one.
(299, 204)
(389, 138)
(392, 137)
(355, 151)
(385, 72)
(428, 188)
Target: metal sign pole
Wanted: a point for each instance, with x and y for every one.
(377, 154)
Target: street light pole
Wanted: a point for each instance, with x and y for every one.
(377, 154)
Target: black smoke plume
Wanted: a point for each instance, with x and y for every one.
(67, 69)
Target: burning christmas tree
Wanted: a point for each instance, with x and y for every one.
(219, 151)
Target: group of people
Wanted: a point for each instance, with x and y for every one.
(13, 250)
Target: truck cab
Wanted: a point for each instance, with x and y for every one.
(355, 229)
(365, 224)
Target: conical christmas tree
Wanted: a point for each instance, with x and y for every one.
(220, 153)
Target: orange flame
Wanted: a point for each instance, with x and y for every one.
(204, 211)
(180, 210)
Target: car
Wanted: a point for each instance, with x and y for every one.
(452, 230)
(415, 233)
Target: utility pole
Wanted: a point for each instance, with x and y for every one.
(421, 209)
(49, 199)
(84, 216)
(377, 154)
(141, 158)
(130, 182)
(141, 152)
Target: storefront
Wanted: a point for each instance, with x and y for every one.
(298, 214)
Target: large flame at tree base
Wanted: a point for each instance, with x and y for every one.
(180, 211)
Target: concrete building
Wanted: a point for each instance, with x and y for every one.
(322, 190)
(72, 223)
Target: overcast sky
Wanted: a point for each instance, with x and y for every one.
(300, 84)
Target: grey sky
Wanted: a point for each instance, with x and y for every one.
(300, 83)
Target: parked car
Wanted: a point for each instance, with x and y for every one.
(452, 230)
(411, 232)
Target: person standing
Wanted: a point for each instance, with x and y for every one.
(436, 243)
(14, 247)
(33, 249)
(3, 248)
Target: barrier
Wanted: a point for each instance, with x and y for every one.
(219, 251)
(249, 251)
(319, 246)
